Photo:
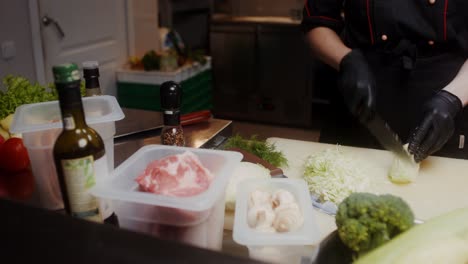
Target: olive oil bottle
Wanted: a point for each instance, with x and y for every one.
(79, 151)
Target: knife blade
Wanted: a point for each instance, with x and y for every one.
(387, 138)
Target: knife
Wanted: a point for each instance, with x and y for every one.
(387, 138)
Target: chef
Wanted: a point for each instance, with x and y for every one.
(405, 60)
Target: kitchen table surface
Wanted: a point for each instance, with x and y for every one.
(439, 188)
(137, 121)
(140, 128)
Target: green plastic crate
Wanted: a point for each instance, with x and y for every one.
(197, 94)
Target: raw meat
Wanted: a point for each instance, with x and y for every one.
(178, 175)
(181, 176)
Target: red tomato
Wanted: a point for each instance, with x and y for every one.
(21, 185)
(13, 155)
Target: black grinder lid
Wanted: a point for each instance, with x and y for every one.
(171, 94)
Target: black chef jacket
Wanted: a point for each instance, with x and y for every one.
(415, 48)
(382, 24)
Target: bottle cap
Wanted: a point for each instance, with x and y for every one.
(67, 72)
(170, 93)
(90, 69)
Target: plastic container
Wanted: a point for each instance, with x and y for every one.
(298, 246)
(40, 125)
(197, 220)
(140, 89)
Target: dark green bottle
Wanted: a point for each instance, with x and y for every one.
(79, 152)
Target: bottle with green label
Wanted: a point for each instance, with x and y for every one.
(79, 152)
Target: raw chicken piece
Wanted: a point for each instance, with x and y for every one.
(178, 175)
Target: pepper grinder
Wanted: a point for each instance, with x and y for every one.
(172, 133)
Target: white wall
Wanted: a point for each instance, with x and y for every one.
(143, 27)
(15, 26)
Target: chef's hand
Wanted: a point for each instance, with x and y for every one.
(437, 126)
(357, 84)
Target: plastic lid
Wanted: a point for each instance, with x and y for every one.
(90, 64)
(46, 115)
(67, 72)
(170, 93)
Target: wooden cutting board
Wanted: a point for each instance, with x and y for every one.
(442, 184)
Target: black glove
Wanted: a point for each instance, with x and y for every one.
(357, 84)
(437, 126)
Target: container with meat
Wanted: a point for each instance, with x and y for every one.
(174, 193)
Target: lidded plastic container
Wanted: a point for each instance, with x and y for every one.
(296, 246)
(197, 220)
(41, 123)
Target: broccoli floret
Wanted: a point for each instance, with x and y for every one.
(366, 221)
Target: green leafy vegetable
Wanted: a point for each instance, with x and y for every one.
(151, 61)
(19, 90)
(261, 148)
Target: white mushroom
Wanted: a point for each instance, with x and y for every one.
(259, 197)
(260, 216)
(288, 218)
(282, 197)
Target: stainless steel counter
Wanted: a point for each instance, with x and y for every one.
(137, 121)
(140, 128)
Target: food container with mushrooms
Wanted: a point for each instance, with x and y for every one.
(274, 220)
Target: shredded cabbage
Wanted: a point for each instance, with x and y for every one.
(333, 175)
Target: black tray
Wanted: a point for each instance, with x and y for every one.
(333, 251)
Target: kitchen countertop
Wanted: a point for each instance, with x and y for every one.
(439, 188)
(136, 121)
(141, 127)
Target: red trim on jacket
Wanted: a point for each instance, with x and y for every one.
(321, 17)
(445, 19)
(307, 8)
(369, 21)
(326, 18)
